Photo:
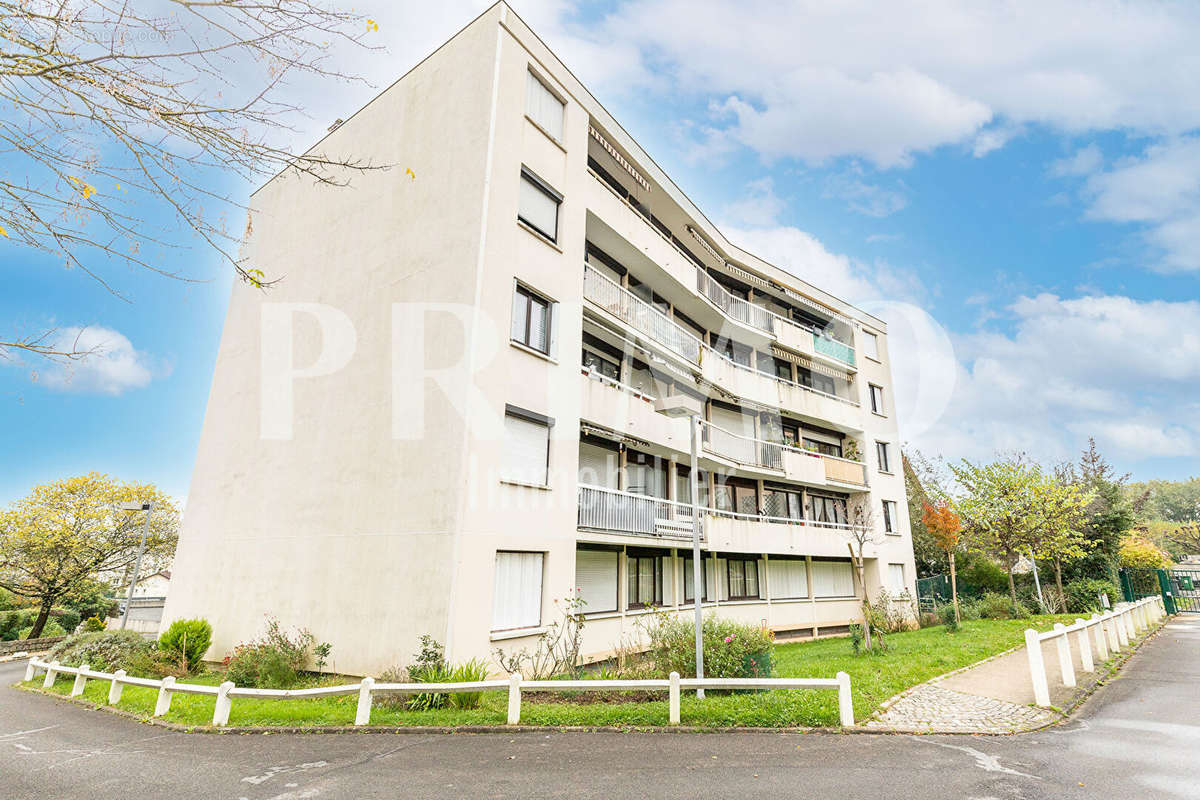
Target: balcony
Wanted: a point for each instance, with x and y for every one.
(794, 464)
(734, 307)
(640, 315)
(623, 409)
(747, 533)
(613, 511)
(834, 349)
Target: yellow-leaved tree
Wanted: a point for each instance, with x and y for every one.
(67, 531)
(1139, 552)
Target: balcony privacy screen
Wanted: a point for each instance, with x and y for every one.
(517, 598)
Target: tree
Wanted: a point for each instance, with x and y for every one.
(946, 529)
(1062, 506)
(1186, 538)
(1110, 514)
(66, 532)
(861, 533)
(923, 486)
(117, 111)
(1000, 509)
(1141, 553)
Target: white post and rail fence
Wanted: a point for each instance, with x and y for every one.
(367, 688)
(1096, 639)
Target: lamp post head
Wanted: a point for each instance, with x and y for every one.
(136, 506)
(679, 405)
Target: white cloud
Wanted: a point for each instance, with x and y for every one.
(111, 367)
(759, 206)
(994, 138)
(1083, 161)
(869, 199)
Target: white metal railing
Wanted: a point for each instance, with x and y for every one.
(624, 387)
(1112, 633)
(642, 316)
(732, 306)
(367, 688)
(837, 526)
(625, 512)
(769, 455)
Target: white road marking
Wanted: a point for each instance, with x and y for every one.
(25, 733)
(982, 759)
(273, 771)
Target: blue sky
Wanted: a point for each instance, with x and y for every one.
(1014, 188)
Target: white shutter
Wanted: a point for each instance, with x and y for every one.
(517, 595)
(668, 581)
(896, 582)
(597, 466)
(520, 312)
(788, 578)
(833, 579)
(538, 208)
(543, 107)
(526, 448)
(596, 579)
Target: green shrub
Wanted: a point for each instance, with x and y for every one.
(17, 624)
(103, 650)
(51, 629)
(12, 622)
(94, 624)
(994, 605)
(1083, 595)
(474, 670)
(7, 600)
(429, 666)
(981, 576)
(185, 642)
(731, 649)
(276, 661)
(946, 615)
(91, 599)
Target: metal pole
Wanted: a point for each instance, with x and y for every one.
(697, 567)
(137, 565)
(1037, 582)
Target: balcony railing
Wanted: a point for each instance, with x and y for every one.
(640, 315)
(833, 348)
(769, 455)
(624, 512)
(731, 305)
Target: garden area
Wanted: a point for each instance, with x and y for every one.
(282, 659)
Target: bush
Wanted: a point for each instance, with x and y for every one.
(17, 624)
(731, 649)
(91, 599)
(94, 624)
(982, 575)
(1083, 595)
(474, 670)
(998, 606)
(276, 661)
(946, 615)
(928, 619)
(67, 619)
(12, 622)
(50, 630)
(185, 642)
(103, 650)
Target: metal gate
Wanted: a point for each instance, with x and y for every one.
(1179, 587)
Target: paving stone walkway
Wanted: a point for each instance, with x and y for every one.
(929, 708)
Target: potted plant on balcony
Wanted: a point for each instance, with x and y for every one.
(850, 451)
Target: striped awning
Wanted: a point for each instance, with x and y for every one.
(620, 159)
(808, 363)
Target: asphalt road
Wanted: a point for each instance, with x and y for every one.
(1138, 737)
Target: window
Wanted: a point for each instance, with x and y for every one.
(825, 448)
(601, 365)
(598, 463)
(870, 345)
(827, 508)
(689, 575)
(538, 205)
(833, 578)
(896, 582)
(645, 474)
(517, 599)
(644, 587)
(683, 485)
(743, 578)
(776, 367)
(734, 494)
(876, 398)
(889, 516)
(815, 380)
(531, 319)
(781, 502)
(544, 107)
(881, 450)
(526, 456)
(788, 578)
(596, 577)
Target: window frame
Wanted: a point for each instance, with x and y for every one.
(744, 561)
(883, 457)
(877, 405)
(541, 590)
(531, 296)
(889, 516)
(550, 192)
(537, 419)
(562, 122)
(632, 578)
(704, 575)
(871, 352)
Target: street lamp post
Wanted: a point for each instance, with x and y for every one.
(689, 407)
(137, 564)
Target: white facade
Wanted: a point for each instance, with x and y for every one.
(474, 344)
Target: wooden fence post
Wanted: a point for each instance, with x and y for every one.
(674, 698)
(362, 716)
(80, 681)
(116, 687)
(514, 698)
(163, 704)
(224, 704)
(1037, 668)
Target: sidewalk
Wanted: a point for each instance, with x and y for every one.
(994, 696)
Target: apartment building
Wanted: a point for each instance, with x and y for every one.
(524, 303)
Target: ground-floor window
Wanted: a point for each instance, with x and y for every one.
(596, 579)
(517, 595)
(833, 578)
(896, 583)
(743, 578)
(644, 586)
(788, 578)
(689, 574)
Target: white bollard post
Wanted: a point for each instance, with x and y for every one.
(362, 716)
(514, 698)
(224, 704)
(1037, 668)
(1085, 647)
(1122, 631)
(163, 704)
(51, 674)
(1101, 640)
(1064, 656)
(674, 698)
(845, 701)
(29, 671)
(116, 687)
(80, 681)
(1127, 618)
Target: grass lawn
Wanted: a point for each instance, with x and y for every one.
(911, 658)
